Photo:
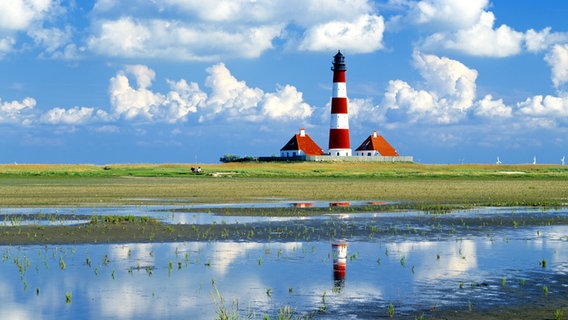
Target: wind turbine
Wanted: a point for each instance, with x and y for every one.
(562, 160)
(498, 161)
(534, 160)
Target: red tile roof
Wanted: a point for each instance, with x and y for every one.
(378, 143)
(305, 143)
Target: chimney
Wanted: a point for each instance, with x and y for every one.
(374, 133)
(302, 132)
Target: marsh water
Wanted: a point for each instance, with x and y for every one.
(416, 266)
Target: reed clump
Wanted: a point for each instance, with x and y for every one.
(116, 219)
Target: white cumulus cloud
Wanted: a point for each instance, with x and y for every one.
(173, 39)
(183, 99)
(6, 45)
(451, 80)
(232, 99)
(557, 58)
(134, 102)
(363, 110)
(213, 30)
(73, 116)
(32, 18)
(449, 91)
(364, 34)
(552, 107)
(447, 13)
(224, 10)
(17, 111)
(122, 37)
(133, 99)
(537, 41)
(57, 43)
(229, 96)
(285, 103)
(481, 39)
(468, 27)
(417, 104)
(493, 109)
(302, 12)
(20, 14)
(140, 102)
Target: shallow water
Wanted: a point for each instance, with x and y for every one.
(184, 215)
(464, 268)
(164, 213)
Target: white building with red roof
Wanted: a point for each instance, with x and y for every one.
(375, 145)
(301, 145)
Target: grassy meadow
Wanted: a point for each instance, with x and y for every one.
(87, 185)
(288, 169)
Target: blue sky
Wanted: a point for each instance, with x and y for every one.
(187, 81)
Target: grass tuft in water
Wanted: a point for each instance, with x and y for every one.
(222, 311)
(391, 310)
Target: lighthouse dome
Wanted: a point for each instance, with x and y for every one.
(339, 62)
(338, 58)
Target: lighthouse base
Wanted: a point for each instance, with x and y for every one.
(340, 152)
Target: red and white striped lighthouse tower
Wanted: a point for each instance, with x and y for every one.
(339, 123)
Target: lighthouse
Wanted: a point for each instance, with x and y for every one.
(302, 148)
(339, 122)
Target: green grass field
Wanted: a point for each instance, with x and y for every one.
(290, 169)
(84, 185)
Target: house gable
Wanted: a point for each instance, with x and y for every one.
(377, 143)
(302, 144)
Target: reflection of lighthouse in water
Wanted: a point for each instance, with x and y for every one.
(339, 251)
(339, 144)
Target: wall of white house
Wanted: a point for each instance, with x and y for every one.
(340, 152)
(291, 153)
(367, 153)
